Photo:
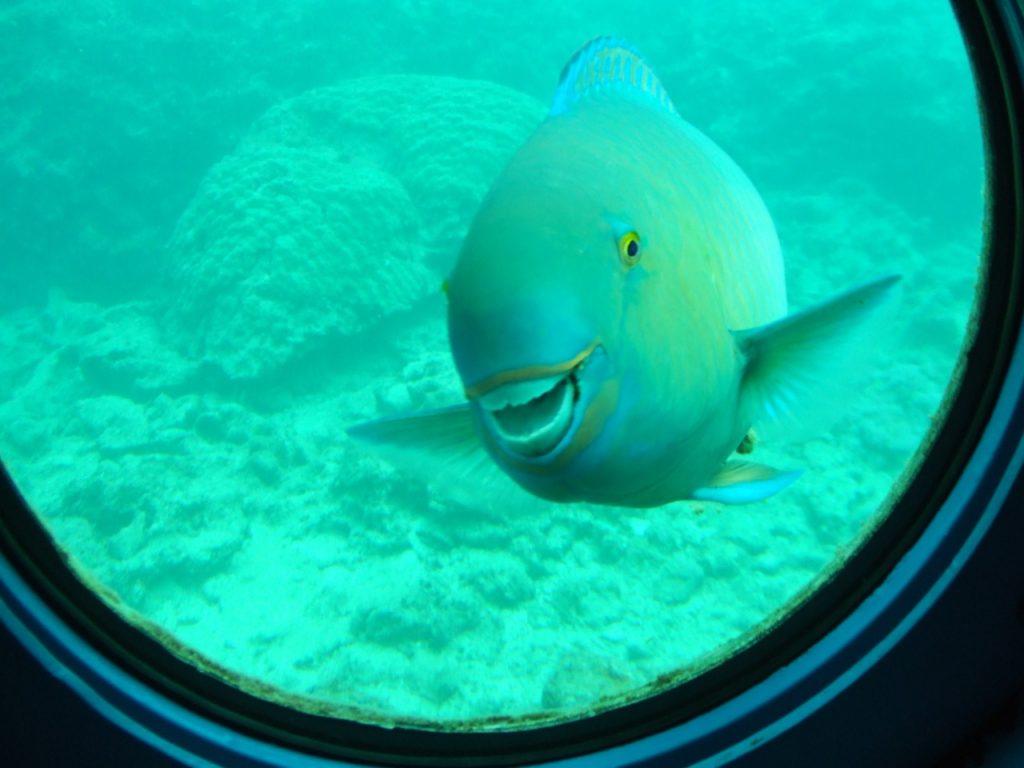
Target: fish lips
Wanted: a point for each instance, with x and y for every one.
(534, 419)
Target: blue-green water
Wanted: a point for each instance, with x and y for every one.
(225, 229)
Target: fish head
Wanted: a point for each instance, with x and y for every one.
(545, 284)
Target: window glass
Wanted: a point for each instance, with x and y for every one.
(225, 234)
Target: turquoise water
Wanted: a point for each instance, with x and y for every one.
(225, 231)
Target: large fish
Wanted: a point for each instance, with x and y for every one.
(617, 313)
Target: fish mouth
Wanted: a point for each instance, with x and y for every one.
(532, 417)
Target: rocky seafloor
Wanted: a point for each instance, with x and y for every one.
(183, 343)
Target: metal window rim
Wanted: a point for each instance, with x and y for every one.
(735, 727)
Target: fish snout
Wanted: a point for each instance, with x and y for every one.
(531, 412)
(527, 424)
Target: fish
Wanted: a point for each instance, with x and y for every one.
(617, 313)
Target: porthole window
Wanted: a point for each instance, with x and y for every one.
(311, 491)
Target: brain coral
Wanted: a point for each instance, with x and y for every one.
(339, 208)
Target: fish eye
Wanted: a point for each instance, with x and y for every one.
(629, 248)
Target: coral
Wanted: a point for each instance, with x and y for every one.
(340, 208)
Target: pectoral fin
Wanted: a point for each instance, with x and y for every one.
(437, 445)
(744, 482)
(804, 363)
(449, 430)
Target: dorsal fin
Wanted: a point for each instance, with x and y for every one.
(608, 64)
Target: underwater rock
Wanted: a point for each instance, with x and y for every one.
(428, 615)
(117, 424)
(582, 678)
(394, 398)
(127, 354)
(501, 581)
(340, 208)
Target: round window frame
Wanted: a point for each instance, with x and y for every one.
(839, 633)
